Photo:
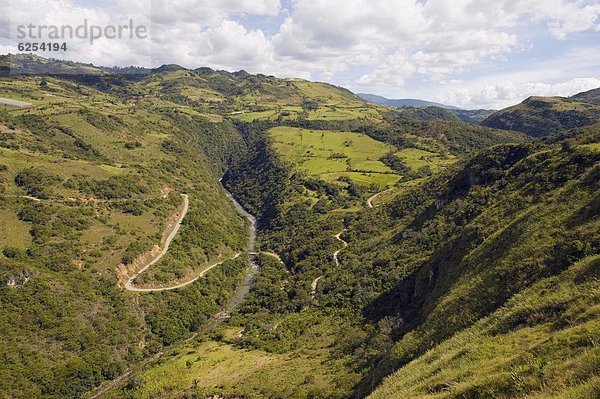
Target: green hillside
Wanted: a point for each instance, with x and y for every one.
(464, 249)
(540, 116)
(540, 340)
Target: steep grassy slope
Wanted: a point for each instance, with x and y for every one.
(541, 344)
(456, 252)
(540, 116)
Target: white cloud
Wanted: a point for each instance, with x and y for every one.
(203, 12)
(563, 89)
(505, 93)
(562, 17)
(7, 48)
(396, 68)
(437, 38)
(231, 44)
(501, 91)
(441, 56)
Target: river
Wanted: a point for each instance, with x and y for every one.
(244, 288)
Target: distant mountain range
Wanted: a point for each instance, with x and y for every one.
(402, 102)
(535, 116)
(428, 110)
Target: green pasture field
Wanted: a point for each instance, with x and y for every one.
(331, 155)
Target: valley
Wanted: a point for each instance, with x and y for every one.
(195, 233)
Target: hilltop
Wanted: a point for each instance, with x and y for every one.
(590, 96)
(541, 116)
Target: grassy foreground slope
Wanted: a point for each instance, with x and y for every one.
(541, 344)
(456, 252)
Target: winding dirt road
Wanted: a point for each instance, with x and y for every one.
(315, 282)
(15, 103)
(313, 287)
(129, 286)
(336, 253)
(123, 377)
(372, 197)
(173, 287)
(29, 197)
(272, 255)
(71, 200)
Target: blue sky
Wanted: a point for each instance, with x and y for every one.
(470, 53)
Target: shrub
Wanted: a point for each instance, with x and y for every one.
(132, 145)
(37, 182)
(12, 252)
